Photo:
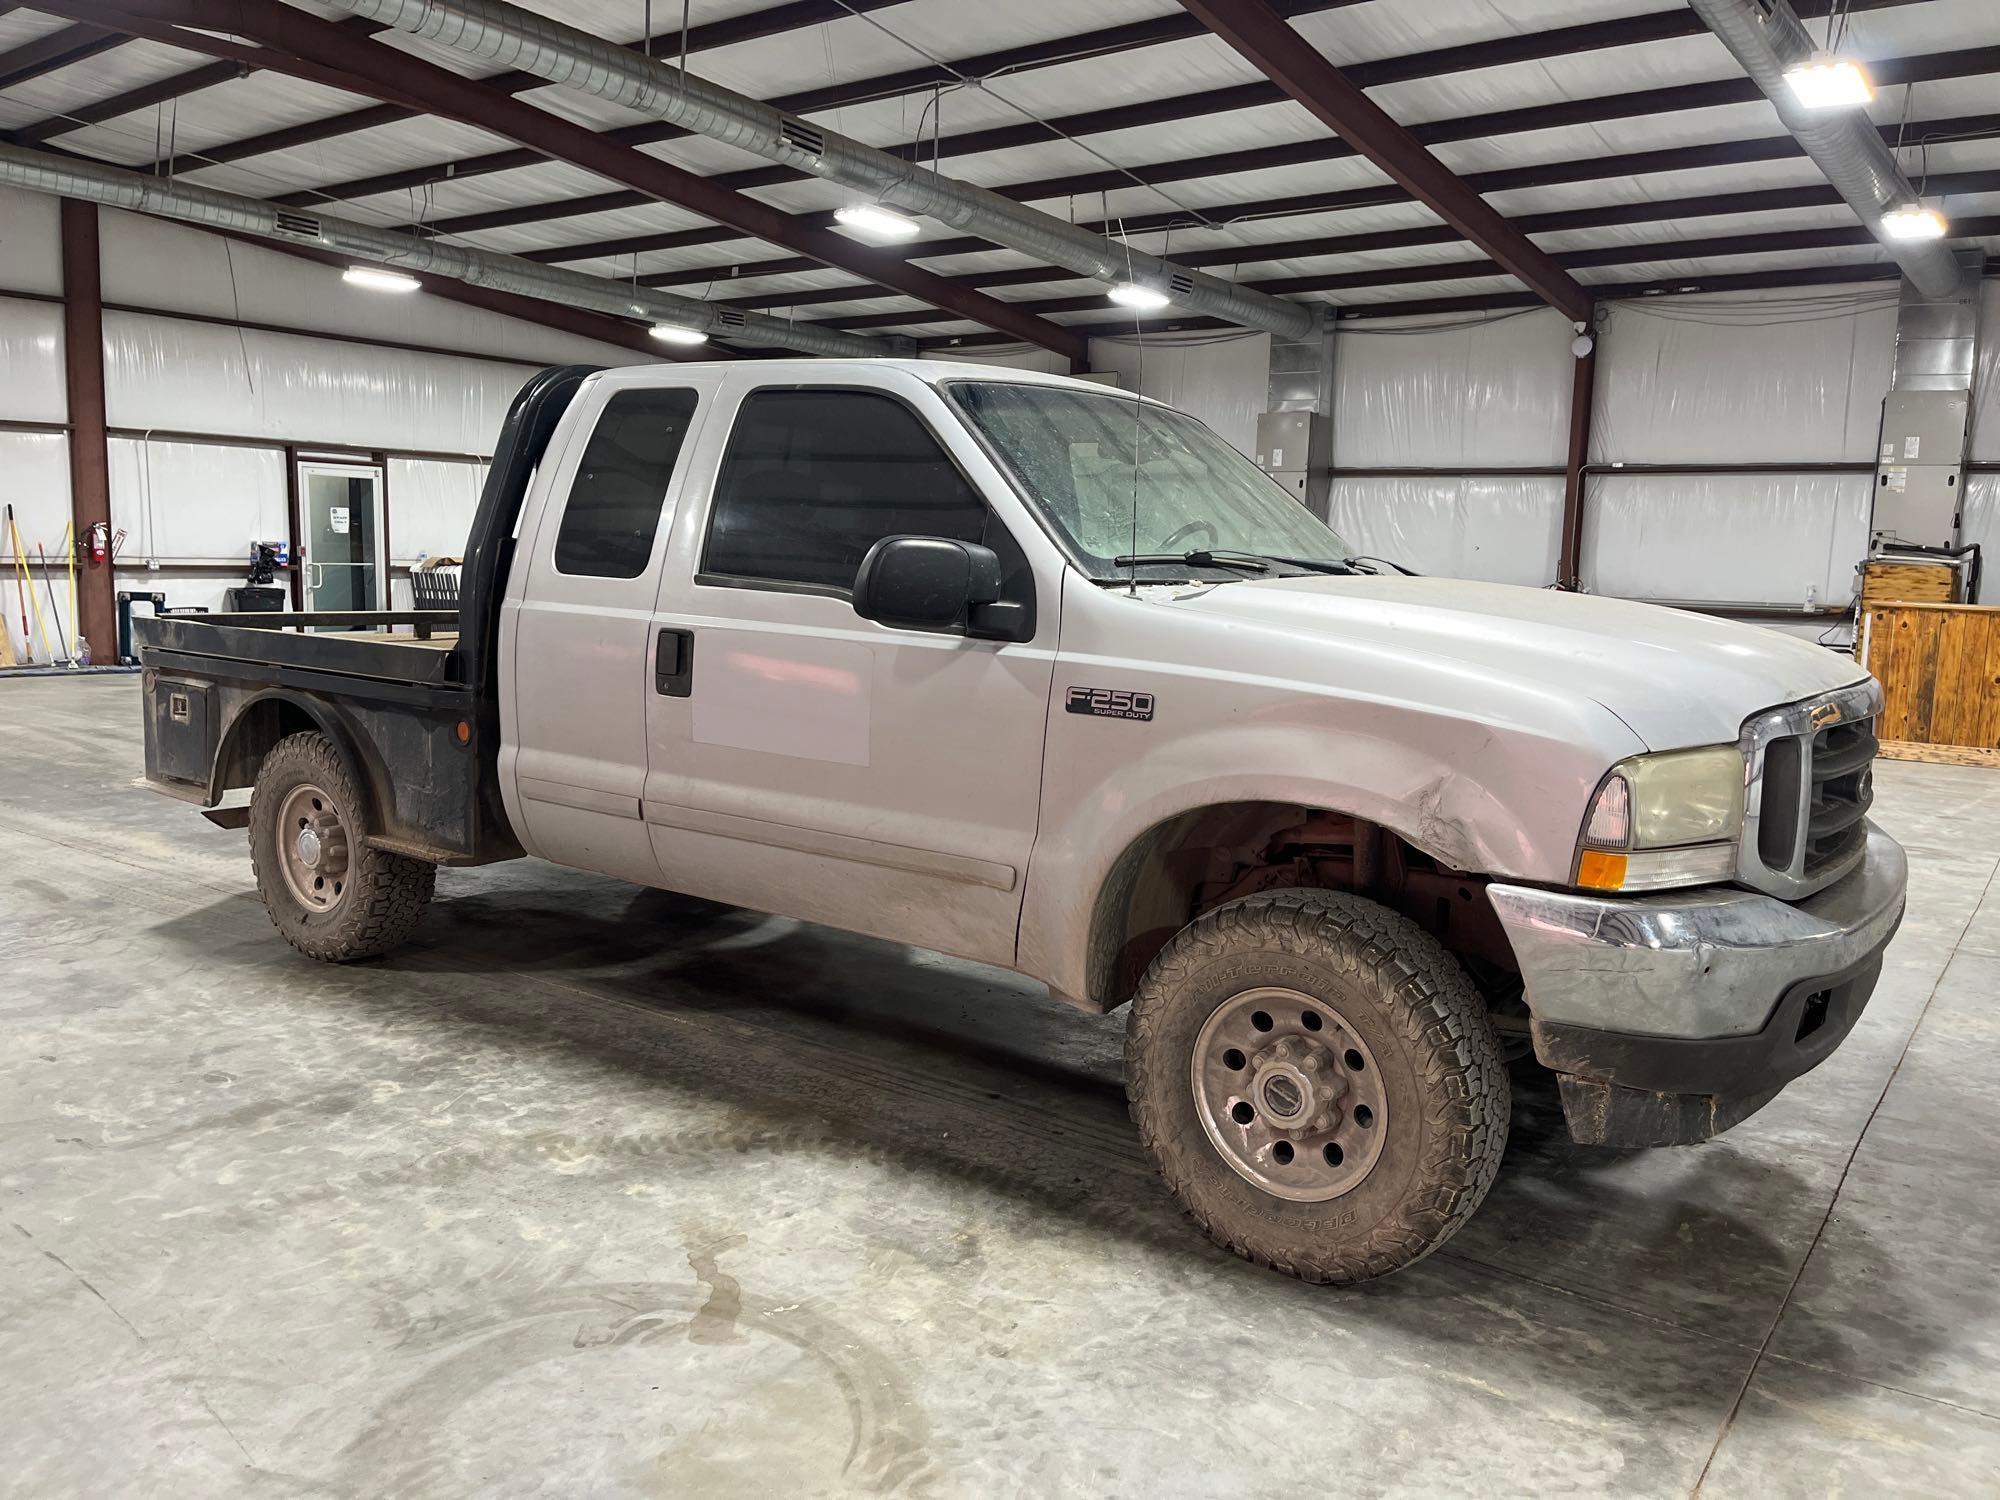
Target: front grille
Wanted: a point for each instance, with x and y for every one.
(1843, 789)
(1809, 790)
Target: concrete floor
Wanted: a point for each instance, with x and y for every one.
(595, 1191)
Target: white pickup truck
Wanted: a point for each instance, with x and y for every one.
(1035, 673)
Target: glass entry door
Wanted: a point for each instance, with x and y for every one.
(340, 517)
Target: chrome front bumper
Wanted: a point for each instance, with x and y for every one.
(1669, 1018)
(1704, 963)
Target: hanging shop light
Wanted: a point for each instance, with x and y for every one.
(1914, 221)
(378, 280)
(677, 333)
(1144, 298)
(876, 222)
(1824, 81)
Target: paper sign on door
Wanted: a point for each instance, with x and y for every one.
(336, 517)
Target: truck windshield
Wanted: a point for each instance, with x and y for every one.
(1088, 460)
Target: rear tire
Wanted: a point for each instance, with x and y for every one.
(332, 896)
(1318, 1082)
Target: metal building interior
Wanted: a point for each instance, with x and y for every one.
(597, 1189)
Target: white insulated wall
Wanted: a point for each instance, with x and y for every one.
(175, 386)
(1453, 393)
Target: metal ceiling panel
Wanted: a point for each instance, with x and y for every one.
(20, 27)
(85, 82)
(1364, 33)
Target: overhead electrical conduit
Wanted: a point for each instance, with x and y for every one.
(1766, 38)
(71, 177)
(511, 38)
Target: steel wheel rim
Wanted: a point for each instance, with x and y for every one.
(1296, 1106)
(312, 848)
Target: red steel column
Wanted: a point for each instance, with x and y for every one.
(1569, 564)
(89, 455)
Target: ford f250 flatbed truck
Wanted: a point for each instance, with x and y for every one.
(1046, 676)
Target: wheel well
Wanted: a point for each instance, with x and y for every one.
(1198, 860)
(253, 735)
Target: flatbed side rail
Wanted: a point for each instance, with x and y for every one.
(423, 623)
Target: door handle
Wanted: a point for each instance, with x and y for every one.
(673, 664)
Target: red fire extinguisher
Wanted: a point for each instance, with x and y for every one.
(97, 542)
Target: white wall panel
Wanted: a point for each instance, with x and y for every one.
(177, 376)
(151, 263)
(185, 587)
(1986, 383)
(1501, 529)
(1450, 396)
(1742, 538)
(31, 362)
(1706, 380)
(30, 242)
(1981, 524)
(185, 501)
(430, 507)
(34, 479)
(1223, 382)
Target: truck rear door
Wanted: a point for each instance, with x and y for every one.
(810, 762)
(576, 626)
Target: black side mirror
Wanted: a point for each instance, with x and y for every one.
(935, 583)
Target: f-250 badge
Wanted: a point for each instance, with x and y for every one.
(1109, 703)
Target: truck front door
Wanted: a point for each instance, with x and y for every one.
(809, 762)
(575, 628)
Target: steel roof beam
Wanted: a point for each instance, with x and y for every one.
(402, 77)
(1648, 211)
(1889, 72)
(1689, 285)
(45, 54)
(1260, 34)
(770, 22)
(1494, 52)
(1762, 243)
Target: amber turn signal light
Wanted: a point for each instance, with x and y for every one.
(1598, 871)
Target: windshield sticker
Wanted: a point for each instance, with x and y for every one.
(1109, 703)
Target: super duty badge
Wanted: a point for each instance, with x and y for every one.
(1109, 703)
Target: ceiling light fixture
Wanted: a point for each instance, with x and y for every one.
(677, 333)
(877, 222)
(377, 280)
(1824, 81)
(1914, 221)
(1131, 294)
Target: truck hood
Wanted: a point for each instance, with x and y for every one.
(1675, 678)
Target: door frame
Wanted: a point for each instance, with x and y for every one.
(353, 466)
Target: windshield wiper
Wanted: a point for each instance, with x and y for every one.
(1248, 562)
(1354, 565)
(1316, 564)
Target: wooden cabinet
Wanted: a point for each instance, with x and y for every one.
(1939, 665)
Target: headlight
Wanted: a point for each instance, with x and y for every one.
(1664, 820)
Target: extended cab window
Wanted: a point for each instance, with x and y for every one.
(621, 486)
(813, 479)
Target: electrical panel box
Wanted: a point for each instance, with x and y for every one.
(1919, 472)
(1296, 448)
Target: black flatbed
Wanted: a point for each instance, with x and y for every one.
(410, 698)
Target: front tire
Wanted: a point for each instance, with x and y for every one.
(332, 896)
(1318, 1082)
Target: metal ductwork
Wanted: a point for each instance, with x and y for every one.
(69, 177)
(1766, 37)
(507, 37)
